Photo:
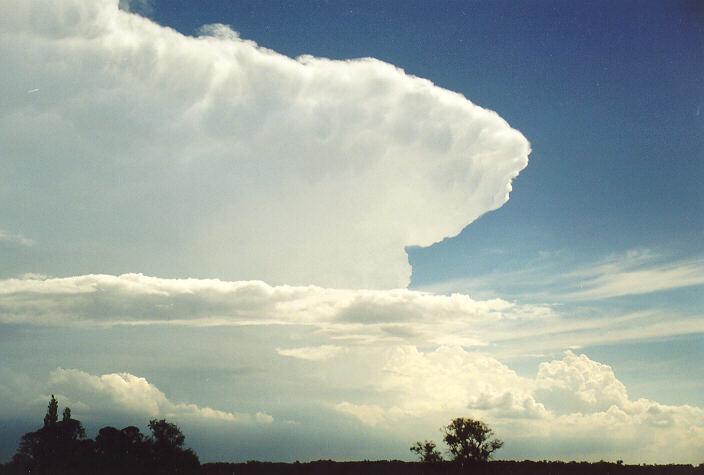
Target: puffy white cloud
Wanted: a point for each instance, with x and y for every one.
(443, 383)
(130, 394)
(144, 149)
(590, 407)
(578, 384)
(575, 400)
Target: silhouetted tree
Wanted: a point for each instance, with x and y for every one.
(122, 451)
(61, 447)
(166, 433)
(426, 451)
(58, 447)
(470, 440)
(168, 453)
(52, 413)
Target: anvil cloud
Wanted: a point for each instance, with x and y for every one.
(209, 156)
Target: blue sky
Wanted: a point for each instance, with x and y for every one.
(609, 95)
(288, 257)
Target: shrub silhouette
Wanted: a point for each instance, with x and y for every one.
(426, 451)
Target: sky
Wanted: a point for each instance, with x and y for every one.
(322, 230)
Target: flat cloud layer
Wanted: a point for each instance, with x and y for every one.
(129, 144)
(360, 316)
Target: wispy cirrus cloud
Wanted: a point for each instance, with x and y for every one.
(633, 274)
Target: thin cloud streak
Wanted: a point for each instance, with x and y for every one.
(655, 278)
(636, 272)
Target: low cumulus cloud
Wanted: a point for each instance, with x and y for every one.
(575, 400)
(578, 384)
(132, 395)
(211, 156)
(445, 381)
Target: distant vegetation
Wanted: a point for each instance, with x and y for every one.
(61, 448)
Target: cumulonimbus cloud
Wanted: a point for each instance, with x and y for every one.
(147, 150)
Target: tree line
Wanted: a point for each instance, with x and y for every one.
(61, 447)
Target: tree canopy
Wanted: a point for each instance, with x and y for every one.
(470, 440)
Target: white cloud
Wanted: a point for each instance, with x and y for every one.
(338, 316)
(361, 316)
(634, 274)
(443, 383)
(133, 395)
(576, 401)
(590, 404)
(578, 384)
(369, 414)
(149, 150)
(312, 353)
(264, 418)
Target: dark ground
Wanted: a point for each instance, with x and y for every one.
(445, 468)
